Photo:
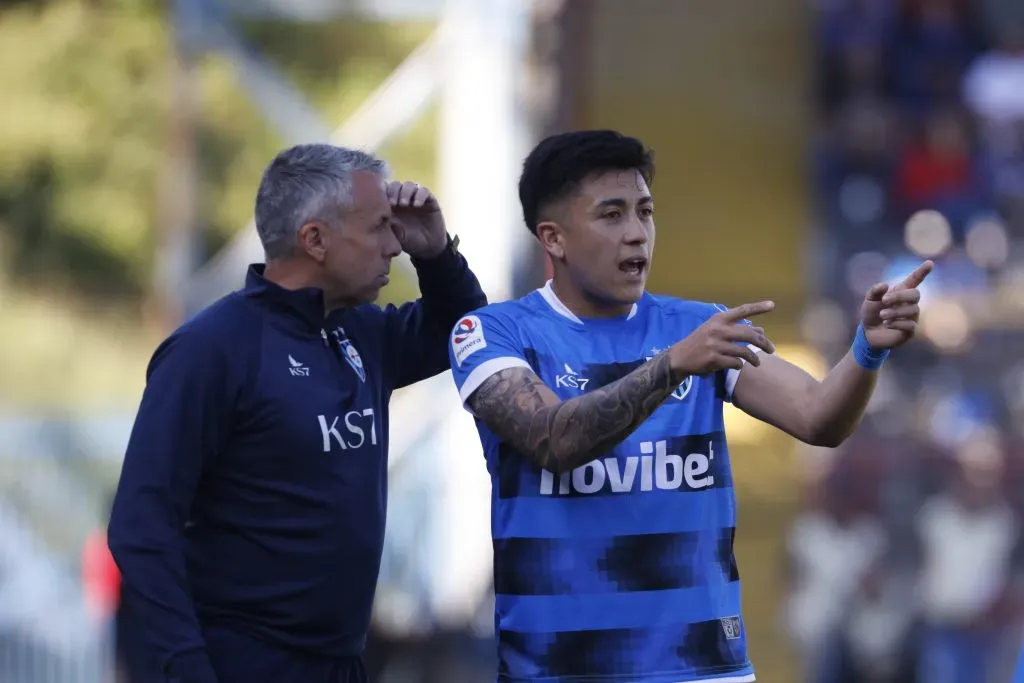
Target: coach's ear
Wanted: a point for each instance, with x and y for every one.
(313, 240)
(550, 235)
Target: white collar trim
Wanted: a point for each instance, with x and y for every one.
(547, 292)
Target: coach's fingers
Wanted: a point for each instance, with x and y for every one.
(406, 193)
(392, 189)
(735, 315)
(421, 196)
(900, 312)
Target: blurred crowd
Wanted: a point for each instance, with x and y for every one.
(906, 563)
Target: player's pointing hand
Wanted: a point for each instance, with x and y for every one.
(724, 341)
(890, 313)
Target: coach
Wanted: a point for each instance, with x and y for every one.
(248, 522)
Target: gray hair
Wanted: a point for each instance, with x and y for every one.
(303, 184)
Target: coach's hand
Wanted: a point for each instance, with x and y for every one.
(890, 314)
(722, 342)
(417, 220)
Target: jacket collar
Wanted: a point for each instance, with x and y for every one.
(306, 303)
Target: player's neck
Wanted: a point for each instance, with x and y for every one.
(583, 306)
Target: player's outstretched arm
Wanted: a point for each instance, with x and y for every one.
(561, 435)
(825, 413)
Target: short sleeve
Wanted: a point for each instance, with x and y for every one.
(481, 345)
(731, 376)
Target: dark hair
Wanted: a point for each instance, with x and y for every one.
(556, 167)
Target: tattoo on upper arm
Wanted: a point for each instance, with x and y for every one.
(561, 435)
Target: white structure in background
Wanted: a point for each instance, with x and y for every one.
(481, 154)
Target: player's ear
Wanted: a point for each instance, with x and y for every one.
(313, 240)
(550, 235)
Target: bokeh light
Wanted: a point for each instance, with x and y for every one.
(928, 234)
(824, 323)
(987, 243)
(1010, 289)
(947, 325)
(864, 270)
(862, 199)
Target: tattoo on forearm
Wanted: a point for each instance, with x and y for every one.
(561, 435)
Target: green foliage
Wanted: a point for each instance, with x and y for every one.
(84, 130)
(84, 106)
(84, 137)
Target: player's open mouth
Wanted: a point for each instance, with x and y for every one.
(634, 267)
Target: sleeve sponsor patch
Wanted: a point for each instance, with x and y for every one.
(467, 338)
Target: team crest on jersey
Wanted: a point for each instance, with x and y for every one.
(732, 627)
(684, 387)
(467, 338)
(353, 358)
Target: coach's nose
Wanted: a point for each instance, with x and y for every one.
(392, 247)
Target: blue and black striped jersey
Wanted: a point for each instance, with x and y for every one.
(623, 569)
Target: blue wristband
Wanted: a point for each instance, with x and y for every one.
(866, 356)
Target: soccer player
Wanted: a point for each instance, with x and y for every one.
(599, 407)
(248, 523)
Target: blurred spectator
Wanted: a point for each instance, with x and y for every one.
(833, 549)
(855, 169)
(994, 91)
(997, 14)
(101, 580)
(939, 170)
(992, 85)
(855, 72)
(921, 106)
(934, 43)
(100, 576)
(842, 23)
(967, 537)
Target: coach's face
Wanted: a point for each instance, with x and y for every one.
(358, 249)
(606, 238)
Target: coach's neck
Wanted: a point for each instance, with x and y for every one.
(295, 274)
(291, 274)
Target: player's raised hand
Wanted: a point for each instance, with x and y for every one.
(417, 219)
(890, 313)
(723, 342)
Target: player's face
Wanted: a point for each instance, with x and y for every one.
(607, 243)
(360, 247)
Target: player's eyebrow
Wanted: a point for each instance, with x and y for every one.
(611, 203)
(620, 203)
